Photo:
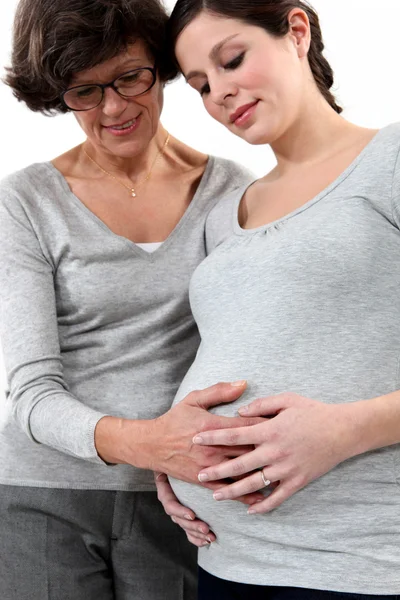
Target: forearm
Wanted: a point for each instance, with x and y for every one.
(375, 423)
(65, 424)
(126, 441)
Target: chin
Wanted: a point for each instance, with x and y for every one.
(256, 138)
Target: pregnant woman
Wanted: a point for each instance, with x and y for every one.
(300, 298)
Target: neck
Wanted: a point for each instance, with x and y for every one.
(134, 166)
(316, 133)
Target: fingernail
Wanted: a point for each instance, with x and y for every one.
(209, 540)
(159, 476)
(173, 519)
(189, 517)
(243, 410)
(251, 511)
(239, 383)
(197, 439)
(203, 477)
(217, 496)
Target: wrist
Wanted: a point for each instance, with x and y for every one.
(373, 423)
(123, 441)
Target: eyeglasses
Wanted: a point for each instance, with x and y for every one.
(130, 84)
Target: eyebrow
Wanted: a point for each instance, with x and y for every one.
(213, 55)
(121, 67)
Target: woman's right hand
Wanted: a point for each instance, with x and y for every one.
(165, 444)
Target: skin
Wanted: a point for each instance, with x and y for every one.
(165, 443)
(313, 144)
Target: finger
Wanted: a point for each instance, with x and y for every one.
(197, 541)
(239, 436)
(216, 394)
(282, 492)
(170, 503)
(244, 486)
(196, 527)
(229, 422)
(268, 406)
(234, 451)
(235, 467)
(248, 499)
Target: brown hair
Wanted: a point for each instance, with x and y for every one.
(55, 39)
(271, 15)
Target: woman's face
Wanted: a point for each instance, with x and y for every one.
(138, 116)
(249, 81)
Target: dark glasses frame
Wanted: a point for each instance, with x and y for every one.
(111, 84)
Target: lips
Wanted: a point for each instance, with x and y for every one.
(241, 110)
(122, 126)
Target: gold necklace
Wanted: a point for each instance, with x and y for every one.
(132, 189)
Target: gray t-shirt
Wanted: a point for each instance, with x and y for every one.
(310, 304)
(91, 325)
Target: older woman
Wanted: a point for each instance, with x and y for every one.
(98, 246)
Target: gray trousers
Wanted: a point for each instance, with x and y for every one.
(91, 545)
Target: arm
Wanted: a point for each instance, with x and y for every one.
(304, 440)
(39, 398)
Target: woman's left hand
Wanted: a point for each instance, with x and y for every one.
(304, 440)
(197, 531)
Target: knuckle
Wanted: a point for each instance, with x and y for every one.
(299, 481)
(238, 468)
(232, 437)
(192, 395)
(280, 453)
(210, 452)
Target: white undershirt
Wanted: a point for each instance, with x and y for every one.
(150, 246)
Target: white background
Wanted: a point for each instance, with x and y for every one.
(362, 45)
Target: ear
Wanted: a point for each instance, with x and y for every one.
(299, 31)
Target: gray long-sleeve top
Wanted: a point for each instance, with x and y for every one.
(91, 325)
(309, 304)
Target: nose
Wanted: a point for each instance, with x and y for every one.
(221, 89)
(113, 103)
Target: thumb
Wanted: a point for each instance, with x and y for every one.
(217, 394)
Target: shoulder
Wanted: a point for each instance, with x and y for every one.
(221, 220)
(229, 180)
(228, 175)
(27, 182)
(384, 151)
(29, 194)
(393, 142)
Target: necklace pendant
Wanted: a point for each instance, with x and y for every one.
(133, 193)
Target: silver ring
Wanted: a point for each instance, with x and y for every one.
(265, 481)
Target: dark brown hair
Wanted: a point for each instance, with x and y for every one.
(55, 39)
(271, 15)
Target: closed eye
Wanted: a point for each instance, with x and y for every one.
(205, 89)
(85, 92)
(235, 62)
